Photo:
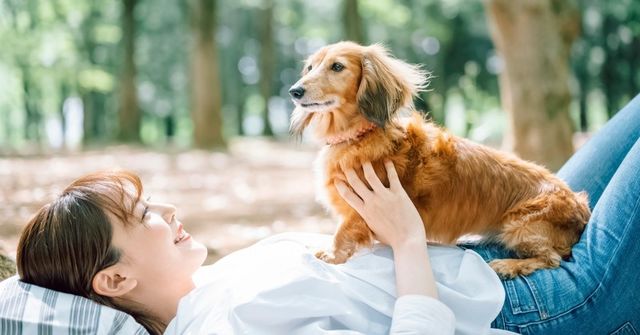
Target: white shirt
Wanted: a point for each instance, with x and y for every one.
(277, 286)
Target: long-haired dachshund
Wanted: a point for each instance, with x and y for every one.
(351, 96)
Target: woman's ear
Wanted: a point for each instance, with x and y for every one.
(112, 283)
(387, 84)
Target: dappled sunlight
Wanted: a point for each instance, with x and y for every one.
(164, 77)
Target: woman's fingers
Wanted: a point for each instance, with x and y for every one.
(358, 186)
(392, 174)
(351, 198)
(371, 177)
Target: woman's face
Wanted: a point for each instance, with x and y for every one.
(156, 249)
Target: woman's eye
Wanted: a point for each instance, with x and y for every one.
(146, 209)
(309, 68)
(337, 67)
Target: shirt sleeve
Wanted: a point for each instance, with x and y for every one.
(419, 314)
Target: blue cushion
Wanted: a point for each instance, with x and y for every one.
(30, 309)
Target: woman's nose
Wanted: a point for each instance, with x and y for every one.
(169, 212)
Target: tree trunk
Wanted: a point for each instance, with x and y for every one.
(634, 66)
(129, 116)
(240, 109)
(267, 62)
(33, 117)
(608, 77)
(92, 101)
(65, 90)
(534, 39)
(170, 127)
(206, 92)
(352, 22)
(234, 93)
(93, 109)
(8, 128)
(582, 77)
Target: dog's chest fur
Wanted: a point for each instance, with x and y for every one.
(459, 187)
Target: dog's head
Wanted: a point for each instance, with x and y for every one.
(346, 85)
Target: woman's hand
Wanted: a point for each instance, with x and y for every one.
(391, 215)
(389, 212)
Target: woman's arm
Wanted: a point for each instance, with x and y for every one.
(395, 221)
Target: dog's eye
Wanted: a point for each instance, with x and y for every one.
(309, 68)
(337, 67)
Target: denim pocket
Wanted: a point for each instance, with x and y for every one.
(625, 329)
(523, 298)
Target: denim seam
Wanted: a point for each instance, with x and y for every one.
(542, 311)
(599, 287)
(627, 326)
(517, 306)
(499, 322)
(514, 300)
(504, 321)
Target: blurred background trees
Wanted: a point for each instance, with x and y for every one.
(77, 74)
(534, 40)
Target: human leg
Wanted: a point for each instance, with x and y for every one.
(591, 167)
(595, 292)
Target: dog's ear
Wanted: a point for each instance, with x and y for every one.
(387, 84)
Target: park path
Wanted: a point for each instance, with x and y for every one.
(225, 200)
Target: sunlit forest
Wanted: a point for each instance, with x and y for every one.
(193, 95)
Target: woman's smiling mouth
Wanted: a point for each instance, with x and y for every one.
(181, 235)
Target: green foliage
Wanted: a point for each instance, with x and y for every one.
(60, 49)
(95, 79)
(606, 58)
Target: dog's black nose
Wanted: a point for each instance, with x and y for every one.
(297, 92)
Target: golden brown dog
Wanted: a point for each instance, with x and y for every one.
(351, 95)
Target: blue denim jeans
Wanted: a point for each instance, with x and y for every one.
(597, 290)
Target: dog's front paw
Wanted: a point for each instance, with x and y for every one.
(324, 256)
(329, 257)
(511, 268)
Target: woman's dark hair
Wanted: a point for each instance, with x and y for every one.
(68, 241)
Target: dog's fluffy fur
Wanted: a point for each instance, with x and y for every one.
(458, 186)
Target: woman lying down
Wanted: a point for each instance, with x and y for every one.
(104, 240)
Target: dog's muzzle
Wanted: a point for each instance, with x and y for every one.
(297, 92)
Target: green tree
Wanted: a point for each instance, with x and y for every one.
(95, 78)
(129, 116)
(27, 28)
(606, 58)
(267, 61)
(206, 103)
(534, 39)
(353, 30)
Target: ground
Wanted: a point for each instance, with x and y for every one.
(226, 200)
